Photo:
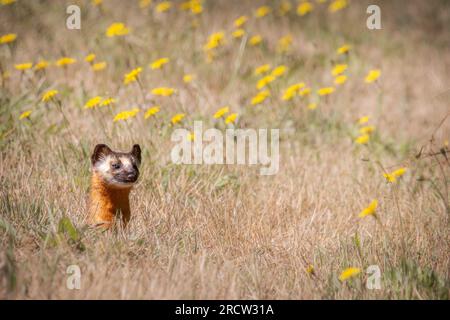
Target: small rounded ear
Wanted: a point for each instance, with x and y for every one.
(136, 152)
(100, 151)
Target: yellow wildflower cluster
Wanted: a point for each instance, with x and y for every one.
(98, 101)
(364, 131)
(127, 114)
(194, 6)
(292, 91)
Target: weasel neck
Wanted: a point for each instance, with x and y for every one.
(107, 202)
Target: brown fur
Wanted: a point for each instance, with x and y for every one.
(106, 203)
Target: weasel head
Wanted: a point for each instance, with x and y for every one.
(116, 169)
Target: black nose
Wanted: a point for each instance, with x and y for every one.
(132, 175)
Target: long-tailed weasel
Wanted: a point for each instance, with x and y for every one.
(113, 176)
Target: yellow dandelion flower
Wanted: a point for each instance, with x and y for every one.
(163, 6)
(6, 2)
(239, 22)
(264, 81)
(284, 43)
(292, 91)
(187, 78)
(363, 120)
(349, 273)
(288, 95)
(215, 40)
(304, 8)
(262, 69)
(99, 66)
(262, 11)
(238, 33)
(338, 69)
(132, 76)
(340, 79)
(8, 38)
(25, 114)
(255, 40)
(163, 91)
(157, 64)
(285, 7)
(367, 130)
(260, 97)
(65, 61)
(337, 5)
(191, 136)
(312, 106)
(221, 112)
(372, 76)
(41, 65)
(177, 118)
(93, 102)
(196, 7)
(279, 71)
(310, 269)
(392, 177)
(151, 111)
(344, 49)
(97, 2)
(127, 114)
(231, 118)
(362, 139)
(48, 95)
(23, 66)
(117, 29)
(325, 91)
(186, 5)
(144, 3)
(305, 92)
(389, 177)
(370, 210)
(90, 57)
(107, 102)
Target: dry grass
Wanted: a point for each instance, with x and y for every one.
(225, 232)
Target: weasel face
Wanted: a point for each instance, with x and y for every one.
(117, 169)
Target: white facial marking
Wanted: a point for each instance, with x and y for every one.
(103, 165)
(126, 162)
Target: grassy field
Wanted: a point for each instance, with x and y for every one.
(225, 231)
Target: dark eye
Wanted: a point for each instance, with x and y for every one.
(116, 165)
